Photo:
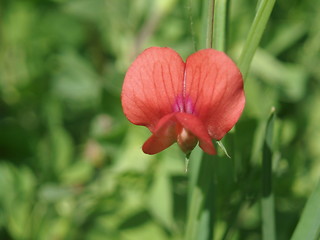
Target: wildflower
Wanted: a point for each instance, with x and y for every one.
(187, 103)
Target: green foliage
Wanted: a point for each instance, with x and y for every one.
(71, 166)
(267, 201)
(309, 224)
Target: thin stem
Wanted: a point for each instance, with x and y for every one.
(200, 219)
(189, 5)
(210, 20)
(220, 25)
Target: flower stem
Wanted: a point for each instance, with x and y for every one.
(210, 20)
(201, 185)
(220, 25)
(201, 196)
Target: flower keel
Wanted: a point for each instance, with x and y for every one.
(184, 128)
(186, 140)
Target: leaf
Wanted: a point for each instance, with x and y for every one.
(76, 82)
(17, 193)
(223, 148)
(131, 158)
(201, 197)
(267, 202)
(53, 193)
(149, 230)
(289, 79)
(286, 36)
(161, 202)
(255, 34)
(309, 224)
(78, 173)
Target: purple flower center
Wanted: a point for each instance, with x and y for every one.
(183, 104)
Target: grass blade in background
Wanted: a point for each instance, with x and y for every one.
(257, 28)
(201, 195)
(267, 202)
(220, 25)
(309, 224)
(194, 198)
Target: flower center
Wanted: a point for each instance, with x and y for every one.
(183, 104)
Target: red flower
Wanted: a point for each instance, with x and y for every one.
(199, 100)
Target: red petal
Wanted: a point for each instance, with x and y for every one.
(163, 137)
(215, 86)
(151, 85)
(196, 127)
(165, 133)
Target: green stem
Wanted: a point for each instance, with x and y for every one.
(220, 25)
(210, 20)
(200, 219)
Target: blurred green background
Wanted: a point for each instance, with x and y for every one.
(71, 165)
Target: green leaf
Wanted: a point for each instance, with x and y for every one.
(161, 202)
(201, 196)
(287, 35)
(17, 193)
(131, 157)
(257, 28)
(78, 173)
(223, 148)
(289, 79)
(76, 82)
(149, 230)
(309, 224)
(53, 193)
(267, 202)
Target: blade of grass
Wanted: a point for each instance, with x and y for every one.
(200, 217)
(195, 197)
(267, 202)
(220, 25)
(206, 218)
(257, 28)
(194, 169)
(309, 224)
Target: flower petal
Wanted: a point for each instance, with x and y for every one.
(197, 128)
(215, 86)
(151, 85)
(163, 136)
(165, 133)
